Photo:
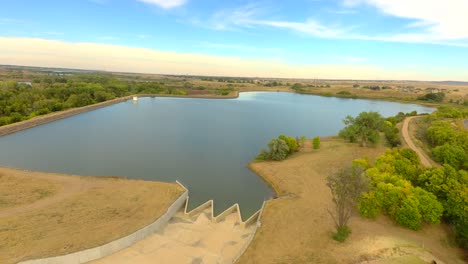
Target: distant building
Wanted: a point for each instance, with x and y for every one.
(24, 83)
(433, 90)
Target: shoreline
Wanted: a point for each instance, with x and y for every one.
(51, 117)
(54, 116)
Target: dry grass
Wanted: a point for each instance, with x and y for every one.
(296, 227)
(102, 210)
(20, 190)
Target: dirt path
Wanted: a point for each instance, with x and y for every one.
(405, 133)
(70, 186)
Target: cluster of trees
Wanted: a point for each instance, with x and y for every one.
(283, 146)
(55, 93)
(432, 97)
(394, 194)
(446, 136)
(366, 127)
(280, 148)
(412, 195)
(300, 88)
(346, 94)
(449, 143)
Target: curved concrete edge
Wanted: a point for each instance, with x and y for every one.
(235, 208)
(252, 236)
(116, 245)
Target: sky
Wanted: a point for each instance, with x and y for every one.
(328, 39)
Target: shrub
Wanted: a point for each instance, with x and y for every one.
(346, 93)
(291, 142)
(278, 149)
(436, 97)
(369, 206)
(341, 233)
(408, 214)
(302, 140)
(316, 142)
(454, 155)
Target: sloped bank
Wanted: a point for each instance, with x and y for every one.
(116, 245)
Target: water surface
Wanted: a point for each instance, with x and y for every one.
(206, 144)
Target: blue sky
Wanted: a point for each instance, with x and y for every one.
(383, 39)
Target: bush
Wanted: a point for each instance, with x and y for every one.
(316, 142)
(453, 155)
(278, 149)
(341, 233)
(301, 141)
(369, 206)
(408, 214)
(435, 97)
(291, 142)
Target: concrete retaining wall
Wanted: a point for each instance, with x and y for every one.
(258, 224)
(235, 208)
(44, 119)
(116, 245)
(41, 120)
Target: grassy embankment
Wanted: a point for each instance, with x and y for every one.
(296, 227)
(43, 215)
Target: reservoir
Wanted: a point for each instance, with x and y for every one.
(206, 144)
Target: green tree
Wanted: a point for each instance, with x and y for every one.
(363, 129)
(291, 142)
(316, 142)
(278, 149)
(451, 154)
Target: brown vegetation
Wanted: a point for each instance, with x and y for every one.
(82, 212)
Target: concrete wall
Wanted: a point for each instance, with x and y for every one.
(116, 245)
(235, 208)
(258, 224)
(41, 120)
(44, 119)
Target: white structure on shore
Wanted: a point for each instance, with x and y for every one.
(135, 98)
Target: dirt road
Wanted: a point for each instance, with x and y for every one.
(405, 133)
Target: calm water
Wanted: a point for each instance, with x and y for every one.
(205, 144)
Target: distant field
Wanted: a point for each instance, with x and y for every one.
(296, 227)
(45, 215)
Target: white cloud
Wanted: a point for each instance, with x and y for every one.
(249, 16)
(166, 4)
(309, 27)
(441, 20)
(93, 56)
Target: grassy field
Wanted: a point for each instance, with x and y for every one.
(51, 214)
(17, 191)
(296, 227)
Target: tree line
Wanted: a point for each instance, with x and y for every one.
(19, 101)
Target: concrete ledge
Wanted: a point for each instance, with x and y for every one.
(116, 245)
(230, 210)
(258, 221)
(44, 119)
(220, 217)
